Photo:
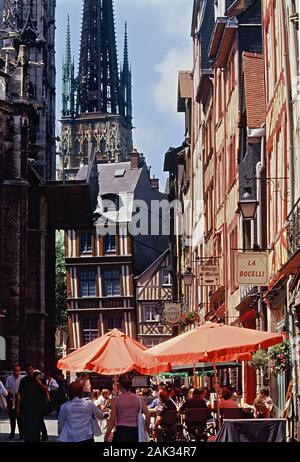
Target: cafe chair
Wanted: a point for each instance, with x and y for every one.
(170, 429)
(234, 413)
(196, 424)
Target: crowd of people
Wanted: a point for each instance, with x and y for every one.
(84, 413)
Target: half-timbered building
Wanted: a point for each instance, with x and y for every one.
(102, 262)
(153, 290)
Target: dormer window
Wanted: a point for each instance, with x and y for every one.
(110, 203)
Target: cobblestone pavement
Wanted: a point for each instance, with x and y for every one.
(51, 424)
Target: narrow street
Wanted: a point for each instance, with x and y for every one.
(51, 425)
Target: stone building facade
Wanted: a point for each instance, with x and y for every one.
(27, 160)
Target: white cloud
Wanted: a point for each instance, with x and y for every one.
(173, 16)
(166, 89)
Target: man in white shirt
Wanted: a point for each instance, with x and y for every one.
(12, 385)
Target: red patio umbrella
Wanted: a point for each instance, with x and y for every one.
(213, 343)
(114, 353)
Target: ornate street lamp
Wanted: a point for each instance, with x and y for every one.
(188, 277)
(248, 207)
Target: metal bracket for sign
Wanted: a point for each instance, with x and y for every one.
(206, 260)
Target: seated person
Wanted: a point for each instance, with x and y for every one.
(264, 394)
(261, 409)
(195, 402)
(166, 404)
(227, 402)
(155, 403)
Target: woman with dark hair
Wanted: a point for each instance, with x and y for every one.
(125, 409)
(76, 416)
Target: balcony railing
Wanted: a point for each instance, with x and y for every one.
(293, 230)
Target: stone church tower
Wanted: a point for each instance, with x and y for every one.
(27, 164)
(97, 104)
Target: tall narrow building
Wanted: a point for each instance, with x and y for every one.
(97, 107)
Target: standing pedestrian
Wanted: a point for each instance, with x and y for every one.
(12, 385)
(53, 388)
(124, 414)
(77, 417)
(86, 385)
(31, 404)
(62, 391)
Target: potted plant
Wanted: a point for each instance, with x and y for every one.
(259, 360)
(189, 318)
(280, 358)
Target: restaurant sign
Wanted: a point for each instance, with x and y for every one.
(252, 269)
(172, 313)
(209, 274)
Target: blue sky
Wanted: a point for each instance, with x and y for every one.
(159, 45)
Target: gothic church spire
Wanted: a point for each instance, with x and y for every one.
(126, 82)
(68, 91)
(98, 78)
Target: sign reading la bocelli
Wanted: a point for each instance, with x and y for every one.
(252, 269)
(172, 313)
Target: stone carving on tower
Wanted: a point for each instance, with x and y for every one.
(28, 31)
(97, 104)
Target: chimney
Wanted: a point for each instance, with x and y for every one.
(135, 159)
(155, 183)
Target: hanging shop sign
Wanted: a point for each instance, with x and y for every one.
(172, 313)
(209, 274)
(252, 269)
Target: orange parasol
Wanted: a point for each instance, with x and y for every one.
(213, 343)
(112, 354)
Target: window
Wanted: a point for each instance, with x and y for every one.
(272, 199)
(233, 246)
(280, 188)
(277, 44)
(114, 322)
(166, 278)
(86, 242)
(209, 208)
(270, 64)
(220, 96)
(110, 243)
(220, 184)
(110, 203)
(232, 165)
(112, 283)
(90, 329)
(151, 342)
(150, 314)
(87, 284)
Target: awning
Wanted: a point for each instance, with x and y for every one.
(292, 266)
(207, 366)
(218, 295)
(246, 302)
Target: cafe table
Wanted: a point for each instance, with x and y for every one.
(253, 431)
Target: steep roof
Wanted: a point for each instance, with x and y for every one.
(254, 89)
(111, 184)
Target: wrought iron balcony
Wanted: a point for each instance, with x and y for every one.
(293, 230)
